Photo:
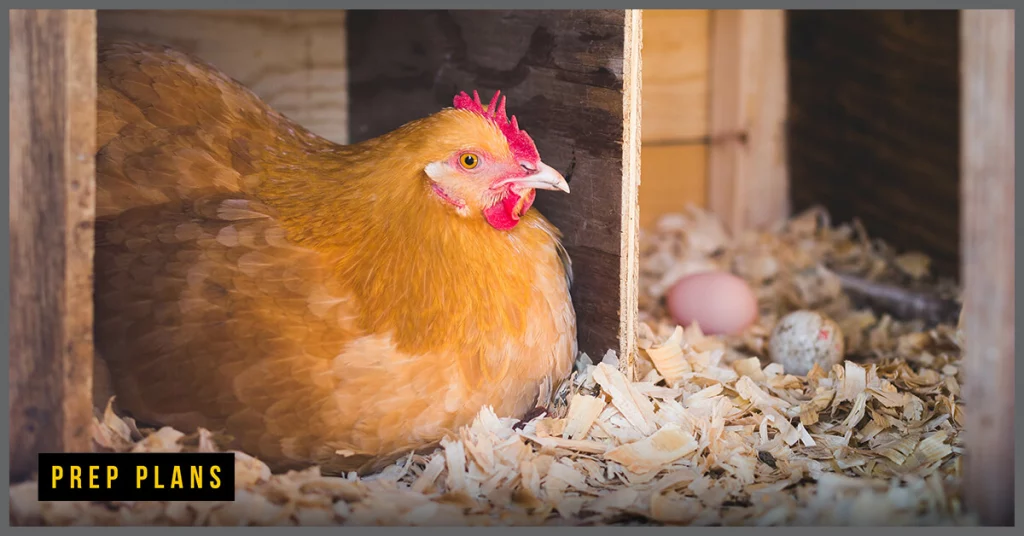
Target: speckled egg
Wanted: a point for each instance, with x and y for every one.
(719, 302)
(803, 338)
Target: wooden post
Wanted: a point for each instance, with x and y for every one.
(53, 131)
(573, 80)
(987, 160)
(747, 181)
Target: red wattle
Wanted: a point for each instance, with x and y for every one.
(502, 215)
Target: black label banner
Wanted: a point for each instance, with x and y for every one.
(150, 476)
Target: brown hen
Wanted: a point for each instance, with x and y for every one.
(321, 304)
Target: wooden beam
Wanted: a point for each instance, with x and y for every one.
(571, 78)
(987, 153)
(53, 131)
(747, 178)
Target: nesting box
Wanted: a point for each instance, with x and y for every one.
(574, 80)
(571, 78)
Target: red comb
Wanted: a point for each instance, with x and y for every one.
(519, 141)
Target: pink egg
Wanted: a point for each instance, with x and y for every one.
(719, 302)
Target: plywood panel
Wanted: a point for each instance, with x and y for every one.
(672, 176)
(53, 138)
(572, 78)
(675, 75)
(294, 60)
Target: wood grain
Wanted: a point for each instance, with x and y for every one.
(987, 40)
(565, 74)
(747, 173)
(295, 60)
(673, 176)
(874, 123)
(675, 75)
(52, 141)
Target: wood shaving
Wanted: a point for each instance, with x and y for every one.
(709, 435)
(655, 452)
(583, 411)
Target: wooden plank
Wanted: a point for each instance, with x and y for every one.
(747, 176)
(987, 150)
(53, 133)
(673, 176)
(294, 60)
(874, 100)
(675, 75)
(568, 76)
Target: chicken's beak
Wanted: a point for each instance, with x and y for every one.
(544, 178)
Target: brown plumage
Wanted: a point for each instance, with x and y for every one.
(322, 304)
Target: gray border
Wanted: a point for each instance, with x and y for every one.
(517, 4)
(484, 4)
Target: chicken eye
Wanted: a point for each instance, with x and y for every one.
(469, 160)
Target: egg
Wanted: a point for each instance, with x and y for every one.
(719, 302)
(803, 338)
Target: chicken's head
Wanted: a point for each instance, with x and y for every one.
(485, 166)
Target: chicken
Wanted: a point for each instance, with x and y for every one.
(320, 304)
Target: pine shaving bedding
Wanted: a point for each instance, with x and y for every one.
(710, 434)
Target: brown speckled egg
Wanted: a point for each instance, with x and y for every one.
(803, 338)
(719, 302)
